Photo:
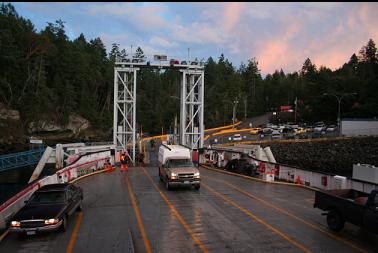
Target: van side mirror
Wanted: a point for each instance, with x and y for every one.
(25, 201)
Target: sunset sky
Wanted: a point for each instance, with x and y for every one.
(279, 35)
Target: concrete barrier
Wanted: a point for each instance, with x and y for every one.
(85, 165)
(292, 174)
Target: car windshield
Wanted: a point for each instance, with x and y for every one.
(47, 197)
(180, 163)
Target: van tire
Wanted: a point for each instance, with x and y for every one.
(197, 187)
(335, 221)
(167, 186)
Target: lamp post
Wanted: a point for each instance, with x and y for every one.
(234, 111)
(339, 98)
(234, 104)
(175, 131)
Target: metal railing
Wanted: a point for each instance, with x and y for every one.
(16, 160)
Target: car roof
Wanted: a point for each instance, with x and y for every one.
(53, 187)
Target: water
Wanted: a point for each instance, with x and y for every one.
(13, 181)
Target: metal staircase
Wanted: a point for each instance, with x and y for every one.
(16, 160)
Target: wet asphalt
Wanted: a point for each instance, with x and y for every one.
(228, 214)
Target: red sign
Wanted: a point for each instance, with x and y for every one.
(285, 107)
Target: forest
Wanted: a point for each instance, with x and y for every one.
(47, 76)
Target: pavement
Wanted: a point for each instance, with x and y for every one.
(133, 212)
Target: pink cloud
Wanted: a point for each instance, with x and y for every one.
(232, 12)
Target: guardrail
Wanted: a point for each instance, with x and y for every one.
(20, 159)
(292, 174)
(84, 166)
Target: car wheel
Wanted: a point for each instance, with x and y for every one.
(335, 221)
(80, 206)
(197, 187)
(63, 227)
(167, 186)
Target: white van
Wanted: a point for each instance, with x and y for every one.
(176, 167)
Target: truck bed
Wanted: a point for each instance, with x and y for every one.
(349, 203)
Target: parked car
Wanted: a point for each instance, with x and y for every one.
(255, 130)
(172, 62)
(241, 166)
(300, 130)
(48, 209)
(349, 205)
(331, 128)
(319, 127)
(276, 134)
(194, 63)
(267, 130)
(184, 63)
(237, 137)
(288, 133)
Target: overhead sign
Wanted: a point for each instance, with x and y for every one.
(160, 57)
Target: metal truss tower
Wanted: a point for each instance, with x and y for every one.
(124, 124)
(192, 108)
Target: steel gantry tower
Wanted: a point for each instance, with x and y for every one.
(191, 106)
(124, 125)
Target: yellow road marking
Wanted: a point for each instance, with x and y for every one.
(282, 234)
(4, 235)
(74, 233)
(282, 210)
(138, 216)
(178, 216)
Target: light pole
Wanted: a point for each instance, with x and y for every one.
(175, 133)
(234, 104)
(339, 98)
(234, 111)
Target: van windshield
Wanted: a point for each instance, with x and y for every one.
(179, 163)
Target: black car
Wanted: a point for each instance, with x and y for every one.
(48, 209)
(241, 166)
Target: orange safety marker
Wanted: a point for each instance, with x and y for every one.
(124, 167)
(298, 180)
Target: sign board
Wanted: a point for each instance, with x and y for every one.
(35, 141)
(285, 107)
(160, 57)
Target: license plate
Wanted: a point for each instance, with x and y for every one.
(186, 182)
(30, 232)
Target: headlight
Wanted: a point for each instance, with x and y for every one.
(173, 174)
(51, 221)
(15, 223)
(197, 174)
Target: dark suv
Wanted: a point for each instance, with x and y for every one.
(48, 209)
(241, 166)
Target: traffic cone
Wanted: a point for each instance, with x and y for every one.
(298, 180)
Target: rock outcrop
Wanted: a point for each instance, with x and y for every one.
(7, 113)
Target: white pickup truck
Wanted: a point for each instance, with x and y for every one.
(176, 167)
